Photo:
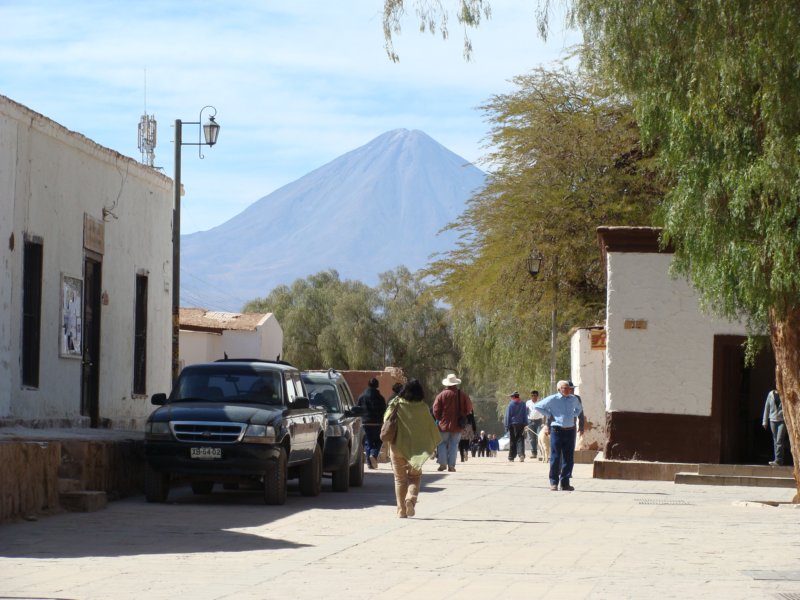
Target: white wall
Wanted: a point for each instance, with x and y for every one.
(266, 342)
(588, 373)
(271, 334)
(199, 346)
(8, 135)
(667, 367)
(57, 176)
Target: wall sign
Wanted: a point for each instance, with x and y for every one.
(69, 342)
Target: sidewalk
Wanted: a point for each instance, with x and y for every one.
(491, 530)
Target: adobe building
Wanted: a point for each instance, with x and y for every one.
(85, 278)
(210, 335)
(671, 379)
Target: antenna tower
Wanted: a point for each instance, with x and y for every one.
(147, 132)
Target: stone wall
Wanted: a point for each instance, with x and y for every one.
(32, 473)
(28, 479)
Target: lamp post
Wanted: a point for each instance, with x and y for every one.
(210, 132)
(534, 264)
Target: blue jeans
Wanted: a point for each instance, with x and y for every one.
(780, 440)
(447, 449)
(533, 435)
(562, 454)
(372, 440)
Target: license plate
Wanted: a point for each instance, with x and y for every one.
(206, 453)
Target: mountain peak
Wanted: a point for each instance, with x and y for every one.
(402, 185)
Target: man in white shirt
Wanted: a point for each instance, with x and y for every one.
(535, 421)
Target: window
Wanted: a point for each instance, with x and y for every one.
(31, 311)
(140, 337)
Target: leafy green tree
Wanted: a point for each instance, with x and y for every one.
(330, 323)
(566, 159)
(433, 17)
(326, 322)
(418, 332)
(716, 85)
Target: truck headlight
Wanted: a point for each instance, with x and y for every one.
(157, 430)
(259, 434)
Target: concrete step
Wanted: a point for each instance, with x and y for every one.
(83, 501)
(67, 485)
(741, 480)
(745, 470)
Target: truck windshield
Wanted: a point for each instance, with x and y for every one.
(252, 387)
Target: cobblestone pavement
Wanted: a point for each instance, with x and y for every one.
(493, 529)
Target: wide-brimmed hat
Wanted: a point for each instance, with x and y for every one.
(450, 380)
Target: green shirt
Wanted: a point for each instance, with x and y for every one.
(417, 434)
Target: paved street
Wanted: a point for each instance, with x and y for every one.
(491, 530)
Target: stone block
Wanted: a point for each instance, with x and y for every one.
(83, 501)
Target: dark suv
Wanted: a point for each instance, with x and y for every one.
(235, 421)
(343, 455)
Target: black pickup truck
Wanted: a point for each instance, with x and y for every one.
(235, 421)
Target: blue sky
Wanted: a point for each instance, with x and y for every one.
(295, 83)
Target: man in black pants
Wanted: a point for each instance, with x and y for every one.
(374, 405)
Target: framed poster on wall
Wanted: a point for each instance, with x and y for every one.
(71, 316)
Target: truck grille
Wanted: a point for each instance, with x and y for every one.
(208, 432)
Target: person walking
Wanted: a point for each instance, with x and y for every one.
(483, 444)
(450, 409)
(493, 446)
(374, 405)
(466, 437)
(535, 420)
(563, 408)
(417, 437)
(515, 421)
(773, 422)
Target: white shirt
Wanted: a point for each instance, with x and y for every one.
(533, 414)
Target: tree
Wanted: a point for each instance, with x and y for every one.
(715, 85)
(566, 158)
(432, 17)
(330, 323)
(326, 322)
(418, 332)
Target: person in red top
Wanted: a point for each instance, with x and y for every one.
(450, 409)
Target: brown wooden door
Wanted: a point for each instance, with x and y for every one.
(90, 380)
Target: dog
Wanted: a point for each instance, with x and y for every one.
(543, 444)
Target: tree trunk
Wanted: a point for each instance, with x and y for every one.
(785, 335)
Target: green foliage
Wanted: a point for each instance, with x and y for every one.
(716, 86)
(329, 323)
(433, 17)
(566, 159)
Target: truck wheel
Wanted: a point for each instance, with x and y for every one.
(357, 470)
(156, 485)
(340, 478)
(311, 474)
(275, 480)
(202, 487)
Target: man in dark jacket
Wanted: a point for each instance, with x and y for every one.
(515, 420)
(374, 405)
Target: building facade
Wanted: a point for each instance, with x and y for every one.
(85, 278)
(677, 387)
(210, 335)
(675, 384)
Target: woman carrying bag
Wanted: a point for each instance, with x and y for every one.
(414, 442)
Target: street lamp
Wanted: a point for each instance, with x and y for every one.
(210, 132)
(534, 263)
